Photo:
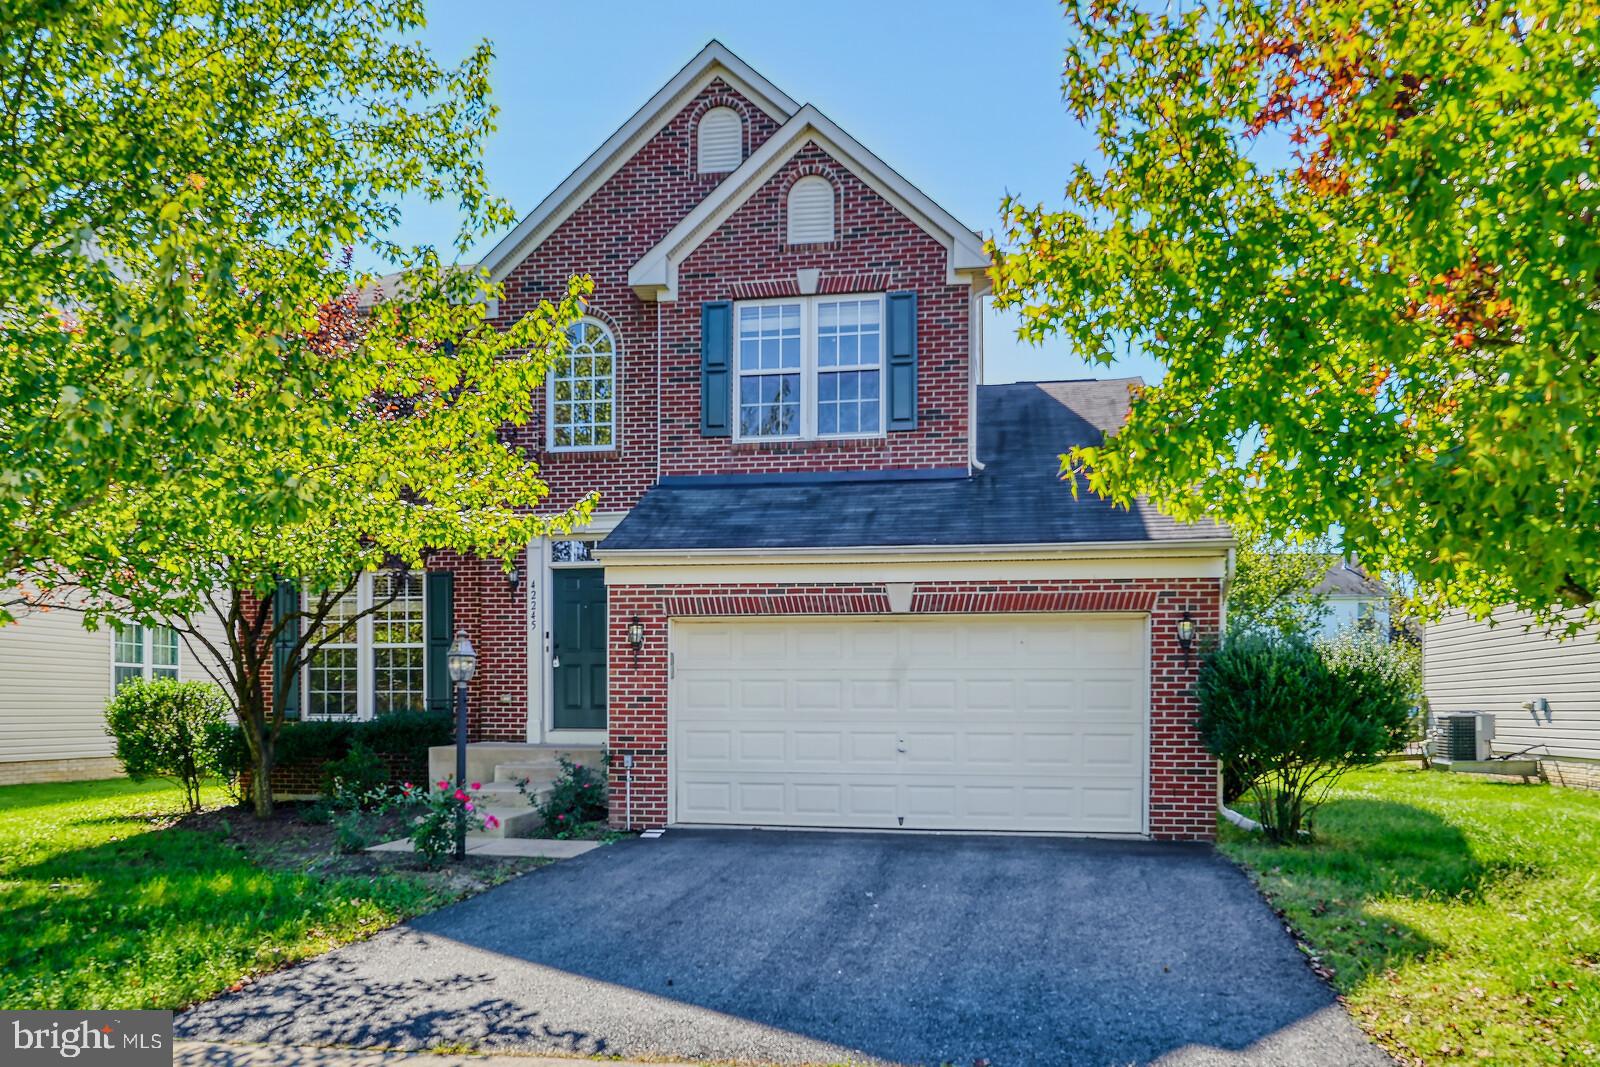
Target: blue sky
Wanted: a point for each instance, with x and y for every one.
(962, 99)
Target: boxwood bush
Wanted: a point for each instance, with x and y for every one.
(165, 728)
(398, 735)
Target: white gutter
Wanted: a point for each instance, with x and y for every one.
(867, 553)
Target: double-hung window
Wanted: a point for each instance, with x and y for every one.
(143, 652)
(810, 367)
(374, 664)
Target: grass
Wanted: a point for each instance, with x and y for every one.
(1460, 918)
(110, 901)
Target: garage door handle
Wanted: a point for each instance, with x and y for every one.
(900, 745)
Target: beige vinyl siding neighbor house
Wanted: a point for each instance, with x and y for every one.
(55, 679)
(1544, 693)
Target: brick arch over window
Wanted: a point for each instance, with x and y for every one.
(705, 106)
(813, 175)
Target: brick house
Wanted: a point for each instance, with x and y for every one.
(833, 580)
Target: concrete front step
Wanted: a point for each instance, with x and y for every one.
(484, 756)
(500, 766)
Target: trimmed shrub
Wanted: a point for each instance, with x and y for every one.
(1287, 720)
(355, 777)
(165, 728)
(399, 739)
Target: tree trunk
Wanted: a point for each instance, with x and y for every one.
(261, 781)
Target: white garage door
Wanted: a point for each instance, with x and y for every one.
(950, 723)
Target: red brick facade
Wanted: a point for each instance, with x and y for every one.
(876, 249)
(1183, 775)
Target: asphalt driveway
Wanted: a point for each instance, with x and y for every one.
(829, 948)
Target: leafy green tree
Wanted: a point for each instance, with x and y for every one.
(196, 403)
(1362, 238)
(176, 177)
(1274, 588)
(393, 449)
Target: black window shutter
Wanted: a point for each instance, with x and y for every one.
(716, 368)
(901, 389)
(440, 603)
(286, 602)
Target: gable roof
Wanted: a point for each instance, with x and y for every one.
(1018, 499)
(713, 61)
(655, 275)
(1346, 578)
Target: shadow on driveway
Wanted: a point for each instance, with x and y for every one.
(816, 948)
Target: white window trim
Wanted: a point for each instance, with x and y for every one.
(366, 661)
(147, 653)
(808, 370)
(616, 407)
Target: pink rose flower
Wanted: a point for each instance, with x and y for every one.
(490, 821)
(469, 805)
(477, 785)
(460, 795)
(444, 783)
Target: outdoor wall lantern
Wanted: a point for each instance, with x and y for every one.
(1186, 634)
(636, 637)
(462, 663)
(514, 579)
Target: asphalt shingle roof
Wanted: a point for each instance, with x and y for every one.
(1017, 499)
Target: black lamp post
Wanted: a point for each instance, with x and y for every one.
(462, 662)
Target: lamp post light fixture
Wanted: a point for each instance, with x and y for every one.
(462, 662)
(1186, 634)
(636, 637)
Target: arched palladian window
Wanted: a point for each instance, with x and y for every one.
(583, 389)
(720, 141)
(810, 210)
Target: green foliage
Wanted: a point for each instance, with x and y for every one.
(1273, 588)
(1287, 721)
(1364, 247)
(175, 317)
(445, 808)
(403, 735)
(165, 728)
(577, 797)
(354, 778)
(1458, 918)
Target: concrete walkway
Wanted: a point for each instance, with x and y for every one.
(535, 847)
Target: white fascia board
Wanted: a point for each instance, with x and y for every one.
(655, 275)
(713, 61)
(623, 568)
(1210, 548)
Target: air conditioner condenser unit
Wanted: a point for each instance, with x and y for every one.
(1462, 736)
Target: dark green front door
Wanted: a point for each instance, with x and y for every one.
(579, 646)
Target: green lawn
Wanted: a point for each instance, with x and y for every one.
(105, 904)
(1460, 917)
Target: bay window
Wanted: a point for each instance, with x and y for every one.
(809, 367)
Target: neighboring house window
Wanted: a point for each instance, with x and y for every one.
(719, 141)
(810, 210)
(374, 665)
(143, 652)
(810, 367)
(583, 391)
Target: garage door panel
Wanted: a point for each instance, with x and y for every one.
(978, 723)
